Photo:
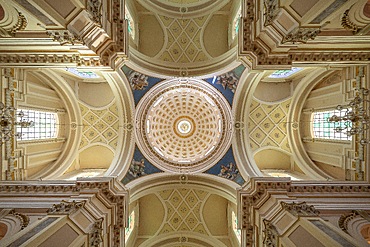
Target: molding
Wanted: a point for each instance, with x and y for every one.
(65, 207)
(95, 235)
(345, 219)
(107, 190)
(94, 8)
(301, 35)
(252, 45)
(259, 190)
(24, 219)
(271, 234)
(63, 37)
(300, 209)
(20, 25)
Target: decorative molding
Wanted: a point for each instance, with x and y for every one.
(20, 25)
(47, 188)
(300, 209)
(65, 207)
(348, 24)
(60, 59)
(94, 8)
(261, 54)
(259, 192)
(345, 219)
(38, 58)
(24, 219)
(63, 37)
(328, 188)
(271, 234)
(103, 190)
(95, 235)
(301, 35)
(272, 10)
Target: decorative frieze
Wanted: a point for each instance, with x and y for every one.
(301, 35)
(94, 8)
(300, 209)
(24, 219)
(271, 234)
(38, 58)
(348, 24)
(20, 188)
(272, 10)
(261, 55)
(65, 207)
(95, 235)
(345, 219)
(254, 197)
(63, 37)
(334, 188)
(21, 23)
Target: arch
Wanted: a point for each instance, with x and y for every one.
(178, 202)
(301, 93)
(73, 136)
(126, 143)
(155, 182)
(241, 108)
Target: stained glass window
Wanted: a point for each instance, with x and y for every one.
(83, 74)
(283, 73)
(323, 128)
(44, 125)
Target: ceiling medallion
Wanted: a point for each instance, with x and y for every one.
(184, 125)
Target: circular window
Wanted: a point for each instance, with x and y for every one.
(183, 125)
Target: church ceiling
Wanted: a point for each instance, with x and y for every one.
(143, 164)
(184, 210)
(181, 36)
(100, 126)
(267, 125)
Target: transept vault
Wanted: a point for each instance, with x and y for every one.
(184, 123)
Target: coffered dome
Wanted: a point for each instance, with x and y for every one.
(184, 125)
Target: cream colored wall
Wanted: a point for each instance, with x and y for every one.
(216, 35)
(38, 94)
(273, 159)
(326, 95)
(151, 35)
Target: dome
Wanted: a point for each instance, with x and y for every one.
(183, 125)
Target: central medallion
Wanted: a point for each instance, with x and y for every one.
(183, 125)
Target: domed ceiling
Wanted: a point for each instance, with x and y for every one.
(182, 125)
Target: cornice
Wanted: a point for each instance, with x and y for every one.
(252, 45)
(258, 191)
(105, 189)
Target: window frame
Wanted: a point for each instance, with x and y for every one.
(325, 130)
(37, 132)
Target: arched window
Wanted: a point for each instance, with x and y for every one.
(237, 231)
(131, 24)
(43, 125)
(284, 73)
(131, 224)
(322, 128)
